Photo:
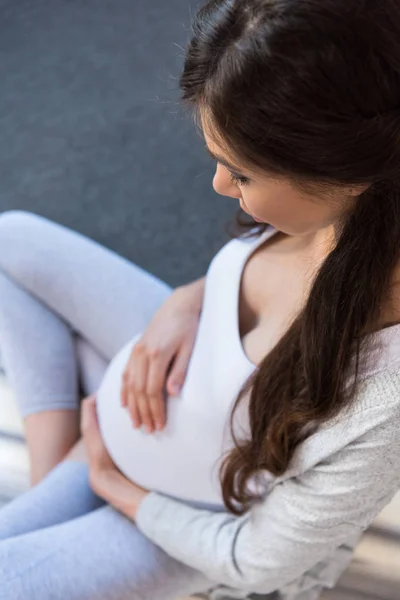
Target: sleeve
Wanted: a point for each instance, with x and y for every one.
(302, 521)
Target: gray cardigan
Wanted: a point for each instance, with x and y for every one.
(300, 538)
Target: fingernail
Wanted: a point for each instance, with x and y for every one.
(159, 426)
(176, 388)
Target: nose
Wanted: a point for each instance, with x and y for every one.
(223, 185)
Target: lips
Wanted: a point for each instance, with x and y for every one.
(246, 210)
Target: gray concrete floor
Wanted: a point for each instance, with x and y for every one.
(93, 136)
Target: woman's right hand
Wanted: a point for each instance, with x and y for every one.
(161, 357)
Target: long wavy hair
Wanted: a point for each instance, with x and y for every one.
(308, 90)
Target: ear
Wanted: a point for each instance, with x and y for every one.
(357, 190)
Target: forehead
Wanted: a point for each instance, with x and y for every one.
(219, 151)
(208, 132)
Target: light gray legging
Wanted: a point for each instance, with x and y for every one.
(67, 305)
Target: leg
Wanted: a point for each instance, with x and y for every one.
(55, 284)
(91, 366)
(99, 555)
(99, 294)
(39, 359)
(63, 494)
(58, 430)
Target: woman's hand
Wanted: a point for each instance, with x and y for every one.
(98, 457)
(166, 345)
(105, 479)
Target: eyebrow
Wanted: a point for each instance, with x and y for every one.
(222, 161)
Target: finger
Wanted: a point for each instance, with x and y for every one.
(134, 412)
(157, 411)
(88, 413)
(124, 396)
(158, 365)
(127, 377)
(137, 403)
(90, 398)
(91, 435)
(124, 388)
(135, 366)
(177, 375)
(145, 414)
(90, 430)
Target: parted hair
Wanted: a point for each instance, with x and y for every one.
(308, 90)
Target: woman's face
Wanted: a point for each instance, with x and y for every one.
(276, 200)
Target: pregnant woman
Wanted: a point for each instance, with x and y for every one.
(258, 476)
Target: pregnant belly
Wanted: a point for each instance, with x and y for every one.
(182, 460)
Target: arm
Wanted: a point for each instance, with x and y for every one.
(193, 293)
(301, 522)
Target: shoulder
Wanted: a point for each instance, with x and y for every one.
(374, 413)
(376, 401)
(378, 389)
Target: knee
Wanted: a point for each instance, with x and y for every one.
(16, 218)
(15, 225)
(18, 235)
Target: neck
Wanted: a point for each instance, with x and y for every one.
(318, 243)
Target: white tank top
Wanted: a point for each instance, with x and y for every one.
(183, 460)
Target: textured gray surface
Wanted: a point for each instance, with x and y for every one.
(92, 135)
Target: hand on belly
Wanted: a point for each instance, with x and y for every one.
(180, 460)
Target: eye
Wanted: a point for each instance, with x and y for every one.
(236, 180)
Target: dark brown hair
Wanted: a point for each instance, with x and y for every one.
(310, 90)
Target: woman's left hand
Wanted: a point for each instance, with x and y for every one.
(105, 479)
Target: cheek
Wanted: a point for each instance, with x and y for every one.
(262, 203)
(274, 203)
(286, 209)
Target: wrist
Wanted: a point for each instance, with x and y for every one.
(122, 494)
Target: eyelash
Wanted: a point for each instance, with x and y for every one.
(239, 180)
(236, 180)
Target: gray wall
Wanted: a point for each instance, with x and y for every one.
(92, 134)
